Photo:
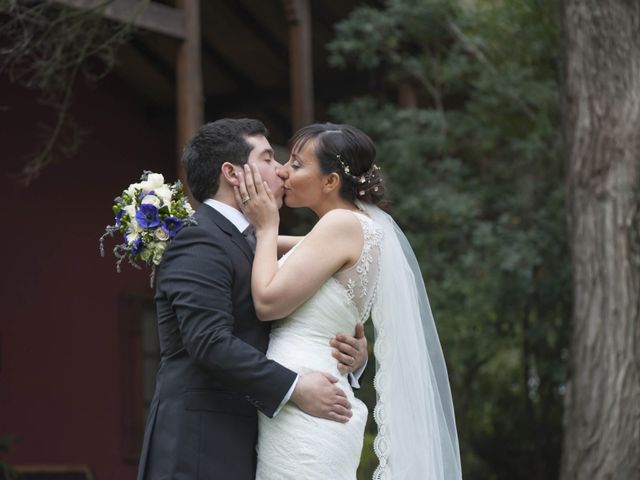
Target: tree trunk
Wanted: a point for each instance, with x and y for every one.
(602, 128)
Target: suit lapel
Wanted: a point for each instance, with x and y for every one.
(227, 227)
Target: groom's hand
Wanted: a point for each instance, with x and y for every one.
(351, 352)
(316, 393)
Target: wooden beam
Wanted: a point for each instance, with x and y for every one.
(262, 33)
(245, 99)
(189, 81)
(155, 60)
(137, 70)
(235, 74)
(243, 82)
(148, 15)
(300, 61)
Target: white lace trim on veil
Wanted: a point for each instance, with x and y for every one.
(417, 436)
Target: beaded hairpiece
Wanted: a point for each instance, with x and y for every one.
(359, 179)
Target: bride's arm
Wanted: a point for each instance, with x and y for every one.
(335, 242)
(286, 243)
(330, 246)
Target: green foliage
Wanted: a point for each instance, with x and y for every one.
(475, 176)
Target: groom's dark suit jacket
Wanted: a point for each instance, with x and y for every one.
(213, 374)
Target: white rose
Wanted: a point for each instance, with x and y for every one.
(153, 181)
(131, 190)
(156, 180)
(164, 193)
(161, 234)
(151, 200)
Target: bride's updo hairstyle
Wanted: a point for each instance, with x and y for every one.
(350, 153)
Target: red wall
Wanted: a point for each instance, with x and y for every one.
(60, 386)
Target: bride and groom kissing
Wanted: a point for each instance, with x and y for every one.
(255, 380)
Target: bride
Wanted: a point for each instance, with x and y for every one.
(354, 264)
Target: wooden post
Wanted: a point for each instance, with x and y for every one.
(189, 100)
(300, 62)
(144, 14)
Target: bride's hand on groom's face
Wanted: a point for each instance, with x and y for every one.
(350, 352)
(255, 199)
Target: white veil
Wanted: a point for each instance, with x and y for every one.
(417, 436)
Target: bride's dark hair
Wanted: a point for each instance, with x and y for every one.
(350, 153)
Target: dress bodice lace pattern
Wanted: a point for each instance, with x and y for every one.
(360, 281)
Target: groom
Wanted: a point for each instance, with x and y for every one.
(213, 375)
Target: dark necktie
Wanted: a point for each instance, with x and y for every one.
(249, 235)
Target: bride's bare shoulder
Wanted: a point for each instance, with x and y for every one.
(339, 221)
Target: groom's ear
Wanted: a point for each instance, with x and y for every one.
(229, 173)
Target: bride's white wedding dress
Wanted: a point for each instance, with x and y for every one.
(417, 436)
(294, 445)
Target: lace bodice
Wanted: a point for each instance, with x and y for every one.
(361, 279)
(343, 300)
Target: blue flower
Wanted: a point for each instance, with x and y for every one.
(119, 217)
(147, 216)
(172, 225)
(137, 246)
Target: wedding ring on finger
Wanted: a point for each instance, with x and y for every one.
(245, 199)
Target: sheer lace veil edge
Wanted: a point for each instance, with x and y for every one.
(414, 411)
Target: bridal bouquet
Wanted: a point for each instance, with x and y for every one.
(148, 214)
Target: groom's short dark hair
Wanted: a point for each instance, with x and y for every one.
(216, 143)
